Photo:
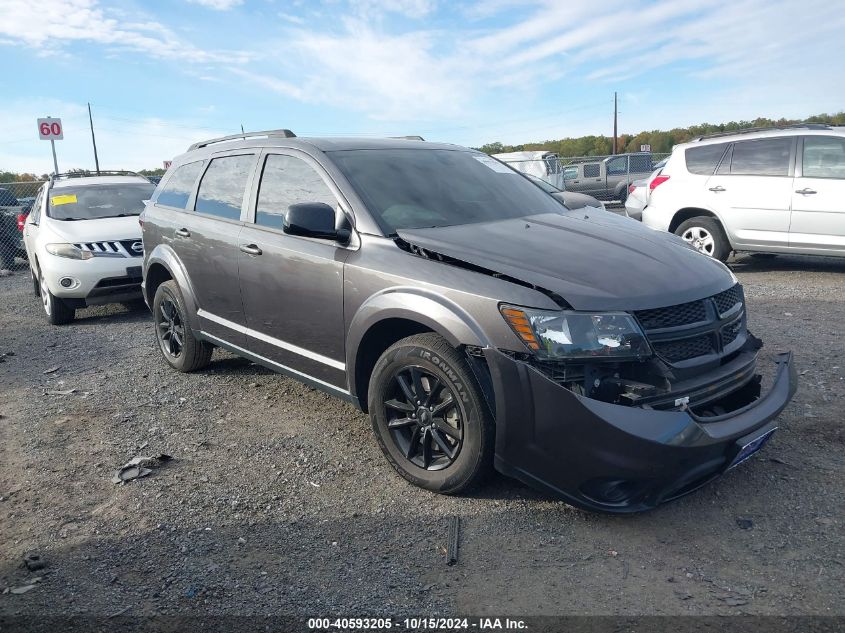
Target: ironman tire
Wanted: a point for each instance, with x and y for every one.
(429, 415)
(177, 343)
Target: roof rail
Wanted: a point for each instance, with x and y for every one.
(410, 137)
(88, 173)
(750, 130)
(243, 135)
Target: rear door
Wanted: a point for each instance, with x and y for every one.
(751, 192)
(292, 286)
(818, 197)
(589, 180)
(203, 228)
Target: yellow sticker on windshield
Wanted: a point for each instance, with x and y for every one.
(65, 199)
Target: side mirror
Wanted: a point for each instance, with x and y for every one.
(314, 219)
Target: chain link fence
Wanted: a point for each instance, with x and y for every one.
(16, 200)
(606, 178)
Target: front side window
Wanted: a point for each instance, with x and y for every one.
(178, 189)
(824, 157)
(704, 160)
(617, 166)
(93, 202)
(222, 188)
(763, 157)
(288, 180)
(570, 173)
(36, 206)
(416, 188)
(592, 170)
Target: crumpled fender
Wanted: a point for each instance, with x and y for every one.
(427, 308)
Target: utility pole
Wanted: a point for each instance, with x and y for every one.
(614, 122)
(93, 140)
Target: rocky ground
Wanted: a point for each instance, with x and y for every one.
(278, 500)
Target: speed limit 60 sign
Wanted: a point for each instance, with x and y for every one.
(50, 129)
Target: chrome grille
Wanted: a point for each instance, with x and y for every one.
(113, 248)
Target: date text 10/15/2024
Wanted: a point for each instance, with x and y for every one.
(416, 624)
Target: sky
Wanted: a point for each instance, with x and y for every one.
(162, 74)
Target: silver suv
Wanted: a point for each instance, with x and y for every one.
(478, 321)
(764, 191)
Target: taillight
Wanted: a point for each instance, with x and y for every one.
(21, 221)
(658, 180)
(631, 188)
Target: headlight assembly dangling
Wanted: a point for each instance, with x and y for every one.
(569, 335)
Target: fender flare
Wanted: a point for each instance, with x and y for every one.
(165, 256)
(427, 308)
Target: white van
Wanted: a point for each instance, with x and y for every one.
(542, 164)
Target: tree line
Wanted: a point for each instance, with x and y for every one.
(660, 141)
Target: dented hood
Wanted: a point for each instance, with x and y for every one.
(594, 260)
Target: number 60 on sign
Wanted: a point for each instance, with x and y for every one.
(50, 129)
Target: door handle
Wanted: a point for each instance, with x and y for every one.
(250, 249)
(806, 191)
(717, 188)
(183, 233)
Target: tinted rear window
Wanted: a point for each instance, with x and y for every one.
(180, 185)
(98, 201)
(221, 191)
(703, 160)
(824, 157)
(591, 171)
(763, 157)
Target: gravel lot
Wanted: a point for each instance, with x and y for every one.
(279, 501)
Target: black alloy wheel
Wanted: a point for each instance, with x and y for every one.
(171, 330)
(424, 419)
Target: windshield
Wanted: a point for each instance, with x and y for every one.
(414, 188)
(93, 202)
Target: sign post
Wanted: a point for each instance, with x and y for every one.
(51, 129)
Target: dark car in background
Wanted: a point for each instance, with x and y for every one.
(12, 214)
(477, 321)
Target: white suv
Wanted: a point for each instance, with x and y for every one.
(778, 190)
(84, 243)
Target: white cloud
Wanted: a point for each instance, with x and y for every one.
(218, 5)
(409, 8)
(48, 25)
(419, 73)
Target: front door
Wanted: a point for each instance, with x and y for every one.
(752, 190)
(818, 199)
(292, 287)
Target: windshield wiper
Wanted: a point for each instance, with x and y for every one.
(123, 215)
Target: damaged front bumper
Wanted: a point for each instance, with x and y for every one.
(615, 458)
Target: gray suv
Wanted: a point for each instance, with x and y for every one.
(479, 322)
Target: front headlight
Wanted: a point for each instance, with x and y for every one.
(68, 250)
(578, 335)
